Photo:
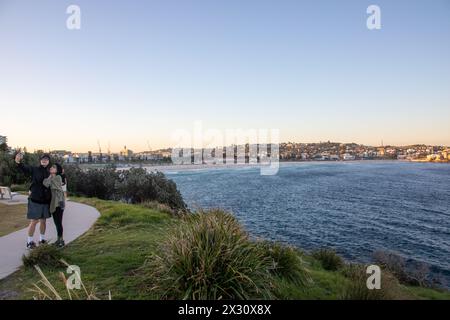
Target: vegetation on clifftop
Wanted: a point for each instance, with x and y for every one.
(142, 252)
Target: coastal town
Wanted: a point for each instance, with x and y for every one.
(288, 151)
(334, 151)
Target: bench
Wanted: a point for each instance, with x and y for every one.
(5, 191)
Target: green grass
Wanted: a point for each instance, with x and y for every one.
(120, 241)
(126, 239)
(13, 218)
(428, 294)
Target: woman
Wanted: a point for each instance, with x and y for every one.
(57, 204)
(64, 182)
(63, 177)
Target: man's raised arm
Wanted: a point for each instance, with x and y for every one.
(28, 170)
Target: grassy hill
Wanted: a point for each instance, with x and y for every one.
(145, 252)
(14, 218)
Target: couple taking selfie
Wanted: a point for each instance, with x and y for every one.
(46, 198)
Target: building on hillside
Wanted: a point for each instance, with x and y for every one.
(3, 139)
(125, 153)
(60, 153)
(334, 157)
(446, 154)
(69, 158)
(381, 152)
(81, 157)
(348, 157)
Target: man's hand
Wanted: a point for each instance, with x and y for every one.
(18, 158)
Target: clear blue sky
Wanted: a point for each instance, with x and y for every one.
(138, 70)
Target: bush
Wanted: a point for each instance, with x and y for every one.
(132, 186)
(97, 183)
(286, 262)
(8, 169)
(356, 288)
(414, 273)
(328, 259)
(209, 256)
(137, 185)
(44, 255)
(20, 187)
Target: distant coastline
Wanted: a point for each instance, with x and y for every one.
(188, 167)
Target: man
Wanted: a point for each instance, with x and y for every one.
(39, 197)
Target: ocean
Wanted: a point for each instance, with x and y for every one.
(354, 207)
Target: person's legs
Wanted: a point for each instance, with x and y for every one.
(42, 228)
(57, 218)
(32, 227)
(31, 230)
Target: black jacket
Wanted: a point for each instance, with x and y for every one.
(39, 193)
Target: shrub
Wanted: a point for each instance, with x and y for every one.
(98, 183)
(328, 259)
(20, 187)
(132, 186)
(137, 185)
(356, 288)
(286, 262)
(44, 255)
(8, 169)
(414, 273)
(209, 256)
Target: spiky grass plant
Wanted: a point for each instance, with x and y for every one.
(328, 259)
(356, 288)
(287, 262)
(209, 256)
(44, 255)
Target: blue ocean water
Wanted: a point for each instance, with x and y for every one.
(354, 207)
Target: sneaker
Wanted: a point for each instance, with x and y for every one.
(59, 243)
(42, 242)
(31, 245)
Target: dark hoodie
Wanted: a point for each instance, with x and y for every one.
(39, 193)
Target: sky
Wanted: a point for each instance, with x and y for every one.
(137, 71)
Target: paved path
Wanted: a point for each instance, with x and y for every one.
(17, 199)
(78, 218)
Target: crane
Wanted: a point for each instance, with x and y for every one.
(100, 150)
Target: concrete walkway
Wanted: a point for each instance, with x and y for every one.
(17, 199)
(78, 218)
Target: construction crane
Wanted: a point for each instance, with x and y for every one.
(100, 150)
(148, 145)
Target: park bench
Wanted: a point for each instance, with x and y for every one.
(5, 191)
